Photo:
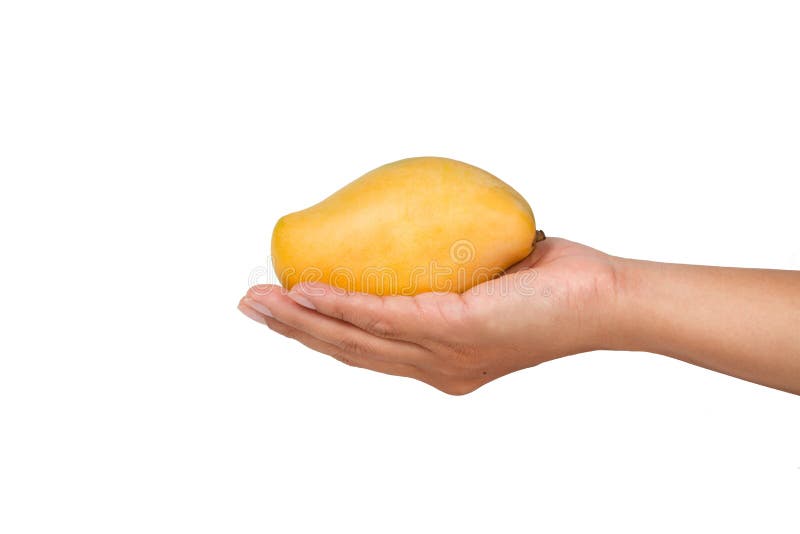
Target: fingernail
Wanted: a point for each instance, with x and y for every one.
(302, 301)
(251, 313)
(258, 306)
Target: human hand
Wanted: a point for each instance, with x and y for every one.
(551, 304)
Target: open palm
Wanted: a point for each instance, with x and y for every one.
(544, 307)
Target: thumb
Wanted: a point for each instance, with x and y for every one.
(539, 249)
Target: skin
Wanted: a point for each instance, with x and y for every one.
(565, 298)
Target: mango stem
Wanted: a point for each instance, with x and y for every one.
(538, 237)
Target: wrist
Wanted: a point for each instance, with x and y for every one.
(624, 319)
(605, 310)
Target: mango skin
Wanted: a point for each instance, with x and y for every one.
(412, 226)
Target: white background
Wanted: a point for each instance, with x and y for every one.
(147, 148)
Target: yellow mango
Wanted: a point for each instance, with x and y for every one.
(408, 227)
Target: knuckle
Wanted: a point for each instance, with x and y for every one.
(337, 312)
(344, 358)
(280, 328)
(451, 310)
(350, 345)
(380, 327)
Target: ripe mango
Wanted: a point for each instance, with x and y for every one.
(408, 227)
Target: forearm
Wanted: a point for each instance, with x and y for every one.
(742, 322)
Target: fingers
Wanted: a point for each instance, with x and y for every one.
(396, 317)
(345, 336)
(356, 360)
(441, 367)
